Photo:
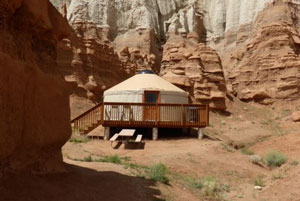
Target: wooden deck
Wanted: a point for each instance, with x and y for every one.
(142, 115)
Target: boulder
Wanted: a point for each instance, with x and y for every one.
(296, 116)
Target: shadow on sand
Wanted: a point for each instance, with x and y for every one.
(79, 184)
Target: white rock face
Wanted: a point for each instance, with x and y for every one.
(210, 18)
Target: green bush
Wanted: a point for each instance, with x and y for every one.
(110, 159)
(275, 159)
(88, 159)
(247, 151)
(158, 172)
(193, 183)
(210, 187)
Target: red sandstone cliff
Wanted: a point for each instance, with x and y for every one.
(34, 104)
(266, 67)
(89, 63)
(195, 68)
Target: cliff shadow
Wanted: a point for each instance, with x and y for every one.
(78, 184)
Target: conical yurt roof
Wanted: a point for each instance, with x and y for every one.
(145, 82)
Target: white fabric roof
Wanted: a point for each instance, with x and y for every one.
(142, 82)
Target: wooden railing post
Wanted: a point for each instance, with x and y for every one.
(102, 113)
(199, 116)
(207, 115)
(156, 116)
(182, 115)
(130, 115)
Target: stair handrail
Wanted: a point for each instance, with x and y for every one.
(86, 112)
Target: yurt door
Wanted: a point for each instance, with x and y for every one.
(150, 111)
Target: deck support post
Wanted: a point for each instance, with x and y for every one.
(154, 133)
(106, 133)
(185, 131)
(200, 134)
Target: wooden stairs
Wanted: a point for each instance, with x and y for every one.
(88, 121)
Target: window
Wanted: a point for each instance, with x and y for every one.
(151, 97)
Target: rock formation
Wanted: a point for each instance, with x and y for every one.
(141, 33)
(195, 68)
(34, 104)
(266, 67)
(214, 18)
(89, 63)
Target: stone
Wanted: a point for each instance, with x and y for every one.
(296, 116)
(258, 188)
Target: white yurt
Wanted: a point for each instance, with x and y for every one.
(146, 87)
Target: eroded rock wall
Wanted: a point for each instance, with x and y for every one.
(196, 68)
(267, 68)
(34, 104)
(89, 63)
(140, 33)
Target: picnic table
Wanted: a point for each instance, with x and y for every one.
(126, 135)
(127, 132)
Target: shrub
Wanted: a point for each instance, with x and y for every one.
(275, 159)
(158, 172)
(88, 159)
(259, 181)
(193, 183)
(212, 189)
(210, 186)
(255, 159)
(226, 147)
(110, 159)
(247, 151)
(277, 175)
(75, 138)
(294, 162)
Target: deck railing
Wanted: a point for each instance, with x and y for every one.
(143, 115)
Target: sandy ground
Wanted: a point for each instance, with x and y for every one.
(205, 158)
(259, 128)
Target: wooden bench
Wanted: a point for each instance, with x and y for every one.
(138, 138)
(114, 138)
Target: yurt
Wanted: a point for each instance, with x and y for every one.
(149, 89)
(146, 87)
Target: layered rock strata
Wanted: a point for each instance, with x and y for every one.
(139, 29)
(267, 68)
(34, 104)
(195, 68)
(213, 18)
(89, 63)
